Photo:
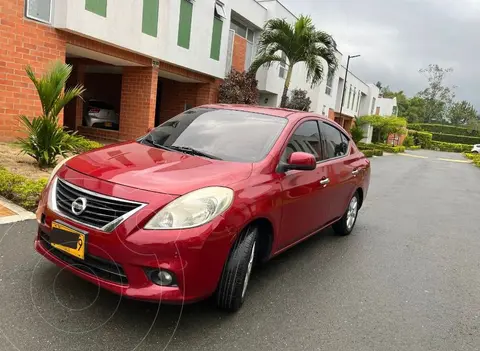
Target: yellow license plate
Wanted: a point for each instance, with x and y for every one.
(67, 239)
(108, 124)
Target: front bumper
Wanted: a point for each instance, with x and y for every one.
(195, 256)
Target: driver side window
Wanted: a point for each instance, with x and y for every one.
(306, 138)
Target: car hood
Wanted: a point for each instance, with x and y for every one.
(143, 167)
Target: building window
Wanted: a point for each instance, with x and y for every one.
(150, 17)
(328, 89)
(374, 101)
(219, 16)
(98, 7)
(358, 102)
(283, 66)
(39, 10)
(354, 96)
(349, 96)
(239, 28)
(185, 23)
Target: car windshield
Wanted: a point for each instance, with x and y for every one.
(222, 134)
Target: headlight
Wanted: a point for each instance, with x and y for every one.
(55, 170)
(193, 209)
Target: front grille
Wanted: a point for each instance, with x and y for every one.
(98, 267)
(101, 211)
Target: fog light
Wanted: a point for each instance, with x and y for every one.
(161, 277)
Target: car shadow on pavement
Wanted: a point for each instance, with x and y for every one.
(83, 302)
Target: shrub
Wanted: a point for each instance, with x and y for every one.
(450, 147)
(414, 147)
(357, 134)
(444, 129)
(408, 141)
(457, 139)
(46, 139)
(391, 149)
(21, 190)
(424, 139)
(239, 88)
(83, 145)
(377, 152)
(368, 153)
(474, 157)
(299, 100)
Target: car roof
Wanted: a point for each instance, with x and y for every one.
(272, 111)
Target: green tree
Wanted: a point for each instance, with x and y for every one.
(384, 126)
(437, 96)
(299, 100)
(46, 139)
(290, 44)
(414, 110)
(461, 113)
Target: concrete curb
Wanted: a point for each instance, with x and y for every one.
(21, 213)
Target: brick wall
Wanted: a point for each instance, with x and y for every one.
(239, 53)
(22, 42)
(139, 95)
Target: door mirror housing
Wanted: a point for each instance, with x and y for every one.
(300, 161)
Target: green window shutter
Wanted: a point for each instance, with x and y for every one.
(185, 24)
(216, 38)
(97, 6)
(150, 17)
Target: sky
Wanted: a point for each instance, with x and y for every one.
(397, 38)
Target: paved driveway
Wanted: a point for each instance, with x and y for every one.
(408, 278)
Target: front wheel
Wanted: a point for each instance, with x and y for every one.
(236, 273)
(345, 225)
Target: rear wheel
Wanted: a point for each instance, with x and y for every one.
(345, 225)
(236, 273)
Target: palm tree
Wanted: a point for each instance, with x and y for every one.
(46, 138)
(299, 42)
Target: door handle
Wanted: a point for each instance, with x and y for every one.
(325, 181)
(355, 172)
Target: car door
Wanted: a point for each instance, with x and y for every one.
(302, 208)
(341, 169)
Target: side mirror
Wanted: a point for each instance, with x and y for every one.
(301, 161)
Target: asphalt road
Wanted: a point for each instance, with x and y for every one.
(408, 278)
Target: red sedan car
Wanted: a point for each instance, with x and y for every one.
(185, 211)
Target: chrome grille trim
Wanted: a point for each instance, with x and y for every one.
(61, 201)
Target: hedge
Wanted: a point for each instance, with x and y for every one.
(458, 139)
(474, 157)
(377, 152)
(368, 153)
(424, 139)
(414, 147)
(21, 190)
(391, 149)
(443, 128)
(450, 147)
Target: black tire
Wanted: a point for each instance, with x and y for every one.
(231, 289)
(342, 227)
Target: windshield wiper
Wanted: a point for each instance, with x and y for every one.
(150, 140)
(192, 151)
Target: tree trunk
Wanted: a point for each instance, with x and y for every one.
(286, 86)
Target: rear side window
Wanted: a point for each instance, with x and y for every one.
(335, 143)
(306, 138)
